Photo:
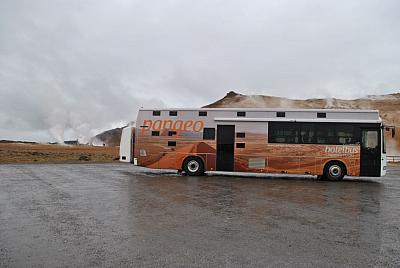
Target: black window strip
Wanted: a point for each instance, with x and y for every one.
(240, 145)
(171, 143)
(155, 133)
(314, 133)
(240, 135)
(280, 114)
(208, 133)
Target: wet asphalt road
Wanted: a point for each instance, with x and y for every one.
(119, 215)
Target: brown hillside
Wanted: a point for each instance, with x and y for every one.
(110, 137)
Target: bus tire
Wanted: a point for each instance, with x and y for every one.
(193, 166)
(334, 171)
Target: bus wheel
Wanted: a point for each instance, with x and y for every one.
(334, 171)
(193, 166)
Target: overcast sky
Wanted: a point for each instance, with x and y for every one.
(73, 68)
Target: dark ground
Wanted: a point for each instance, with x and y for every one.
(119, 215)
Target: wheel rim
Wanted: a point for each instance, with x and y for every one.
(335, 171)
(193, 166)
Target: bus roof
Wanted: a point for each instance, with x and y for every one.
(273, 114)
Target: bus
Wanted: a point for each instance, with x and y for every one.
(328, 143)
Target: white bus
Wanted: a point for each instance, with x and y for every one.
(325, 142)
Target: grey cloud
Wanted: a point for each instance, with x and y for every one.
(71, 68)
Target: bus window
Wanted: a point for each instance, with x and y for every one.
(240, 145)
(171, 143)
(283, 132)
(280, 114)
(326, 134)
(345, 134)
(307, 133)
(208, 133)
(240, 135)
(370, 139)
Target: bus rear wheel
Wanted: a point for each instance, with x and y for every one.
(193, 166)
(334, 171)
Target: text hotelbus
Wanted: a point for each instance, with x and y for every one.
(324, 142)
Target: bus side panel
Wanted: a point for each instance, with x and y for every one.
(283, 164)
(307, 165)
(252, 151)
(164, 140)
(173, 159)
(155, 152)
(295, 158)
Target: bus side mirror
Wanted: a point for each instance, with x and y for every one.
(393, 129)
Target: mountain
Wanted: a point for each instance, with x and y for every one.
(107, 138)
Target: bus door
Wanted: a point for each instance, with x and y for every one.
(225, 147)
(370, 152)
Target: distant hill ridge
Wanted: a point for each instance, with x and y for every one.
(108, 138)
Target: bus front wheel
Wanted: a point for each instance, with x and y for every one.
(193, 166)
(334, 171)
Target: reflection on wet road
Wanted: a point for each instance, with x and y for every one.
(120, 215)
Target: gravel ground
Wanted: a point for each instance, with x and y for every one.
(56, 215)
